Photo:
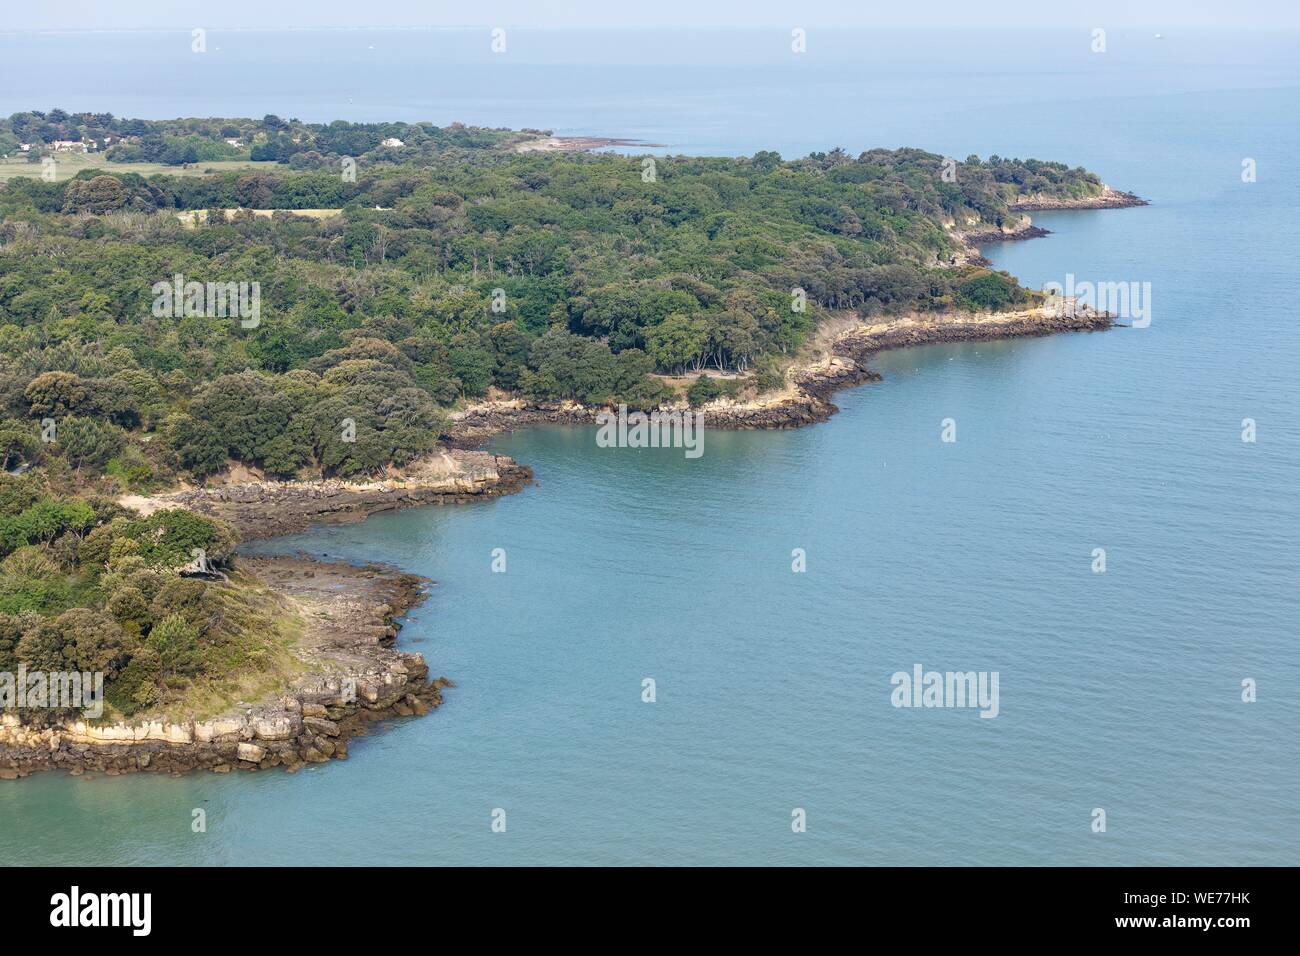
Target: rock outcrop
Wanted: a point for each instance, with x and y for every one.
(808, 399)
(982, 237)
(1107, 199)
(263, 509)
(354, 677)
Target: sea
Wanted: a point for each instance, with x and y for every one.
(697, 660)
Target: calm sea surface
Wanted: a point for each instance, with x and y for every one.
(1119, 691)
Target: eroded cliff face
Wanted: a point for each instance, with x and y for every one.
(353, 677)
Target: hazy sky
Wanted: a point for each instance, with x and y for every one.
(1168, 15)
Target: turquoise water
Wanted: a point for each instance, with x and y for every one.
(1118, 690)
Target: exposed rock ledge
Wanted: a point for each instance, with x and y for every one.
(263, 509)
(807, 399)
(1108, 199)
(979, 234)
(981, 237)
(354, 677)
(347, 642)
(845, 361)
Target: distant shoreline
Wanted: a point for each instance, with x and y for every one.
(578, 144)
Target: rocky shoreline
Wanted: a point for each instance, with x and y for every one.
(1109, 199)
(807, 401)
(354, 674)
(845, 364)
(354, 677)
(984, 237)
(267, 509)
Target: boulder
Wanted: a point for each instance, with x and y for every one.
(320, 725)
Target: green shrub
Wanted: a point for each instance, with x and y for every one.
(706, 388)
(169, 538)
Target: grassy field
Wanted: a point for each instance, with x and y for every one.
(192, 217)
(68, 165)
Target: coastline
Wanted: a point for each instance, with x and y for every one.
(351, 673)
(983, 238)
(841, 363)
(578, 144)
(1109, 199)
(984, 234)
(353, 676)
(267, 509)
(352, 610)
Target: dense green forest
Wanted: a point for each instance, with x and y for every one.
(558, 276)
(452, 267)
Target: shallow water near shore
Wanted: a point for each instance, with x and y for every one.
(1118, 691)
